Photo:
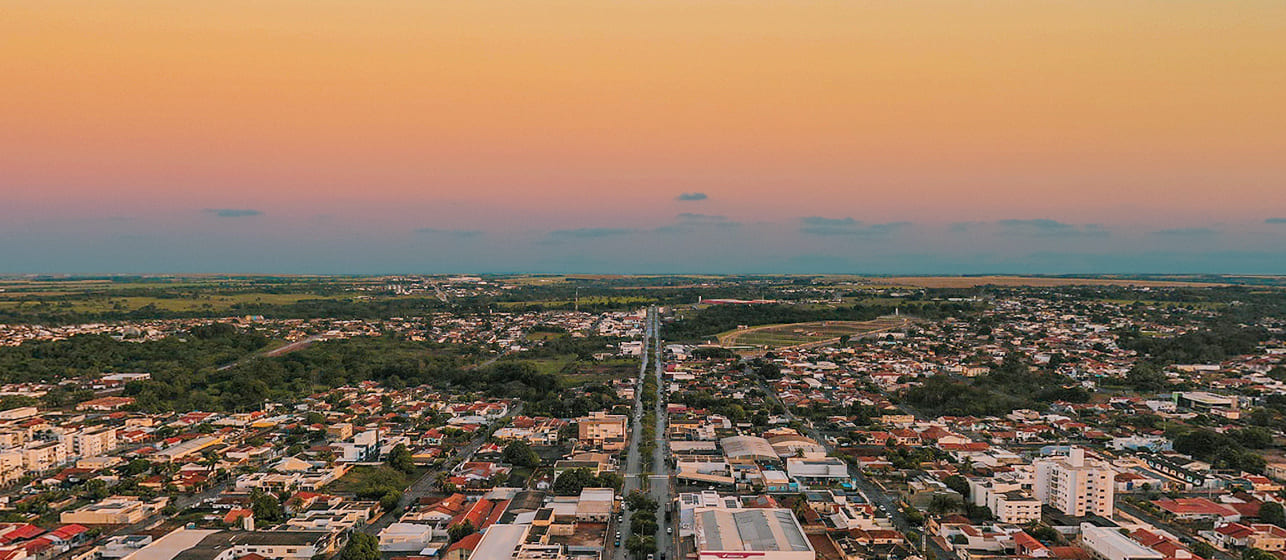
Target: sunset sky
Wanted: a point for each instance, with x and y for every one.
(326, 136)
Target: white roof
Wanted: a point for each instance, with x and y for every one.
(749, 447)
(499, 542)
(171, 545)
(753, 529)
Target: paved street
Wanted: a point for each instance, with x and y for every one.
(633, 462)
(660, 481)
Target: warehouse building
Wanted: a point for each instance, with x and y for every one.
(770, 534)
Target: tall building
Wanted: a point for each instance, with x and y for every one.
(94, 442)
(1075, 485)
(602, 430)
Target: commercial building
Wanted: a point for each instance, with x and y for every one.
(116, 510)
(191, 447)
(1075, 485)
(766, 534)
(816, 468)
(197, 544)
(595, 504)
(1204, 401)
(500, 542)
(18, 413)
(748, 447)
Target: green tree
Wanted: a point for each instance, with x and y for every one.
(1047, 534)
(266, 507)
(400, 458)
(96, 489)
(460, 530)
(572, 481)
(640, 500)
(957, 483)
(1254, 437)
(1145, 376)
(639, 545)
(1272, 512)
(361, 546)
(643, 523)
(609, 480)
(390, 499)
(518, 453)
(942, 503)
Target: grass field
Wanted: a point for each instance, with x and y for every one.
(604, 372)
(555, 365)
(363, 477)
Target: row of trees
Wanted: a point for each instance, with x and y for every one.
(643, 525)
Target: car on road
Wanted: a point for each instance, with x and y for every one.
(669, 530)
(651, 557)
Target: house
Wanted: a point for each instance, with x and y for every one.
(461, 549)
(1197, 509)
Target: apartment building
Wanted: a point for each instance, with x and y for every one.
(1075, 485)
(11, 466)
(602, 430)
(1016, 506)
(94, 442)
(43, 456)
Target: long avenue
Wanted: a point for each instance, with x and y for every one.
(658, 480)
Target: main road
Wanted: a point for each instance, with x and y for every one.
(660, 482)
(633, 462)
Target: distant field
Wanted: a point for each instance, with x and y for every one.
(1031, 281)
(1210, 305)
(107, 303)
(586, 300)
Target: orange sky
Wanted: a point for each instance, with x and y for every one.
(498, 114)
